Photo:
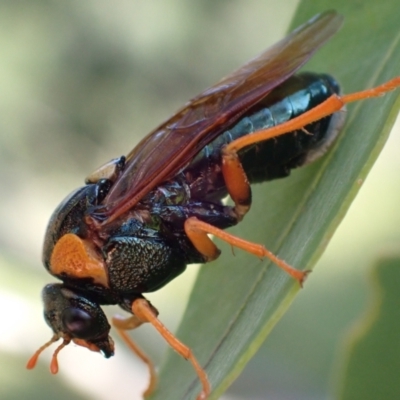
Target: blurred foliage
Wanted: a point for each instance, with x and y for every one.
(373, 350)
(81, 83)
(35, 386)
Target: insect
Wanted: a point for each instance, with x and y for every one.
(141, 219)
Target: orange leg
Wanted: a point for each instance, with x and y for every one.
(146, 313)
(197, 232)
(122, 325)
(234, 175)
(236, 182)
(238, 185)
(331, 105)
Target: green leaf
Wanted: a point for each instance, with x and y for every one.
(373, 348)
(238, 299)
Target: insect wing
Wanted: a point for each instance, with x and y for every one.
(166, 150)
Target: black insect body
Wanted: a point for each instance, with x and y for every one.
(141, 219)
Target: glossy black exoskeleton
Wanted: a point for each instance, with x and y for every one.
(147, 249)
(141, 219)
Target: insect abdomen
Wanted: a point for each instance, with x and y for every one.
(276, 157)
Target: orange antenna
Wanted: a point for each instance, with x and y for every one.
(54, 363)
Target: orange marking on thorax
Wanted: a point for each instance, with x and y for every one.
(77, 258)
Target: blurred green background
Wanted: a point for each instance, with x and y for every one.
(83, 82)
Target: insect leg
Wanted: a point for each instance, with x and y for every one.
(122, 325)
(197, 232)
(235, 177)
(329, 106)
(236, 182)
(233, 172)
(143, 310)
(239, 187)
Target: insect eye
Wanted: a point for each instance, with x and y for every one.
(79, 323)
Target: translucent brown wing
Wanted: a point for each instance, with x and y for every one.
(166, 150)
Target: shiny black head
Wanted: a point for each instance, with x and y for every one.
(73, 317)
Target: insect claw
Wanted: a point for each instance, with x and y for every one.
(304, 277)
